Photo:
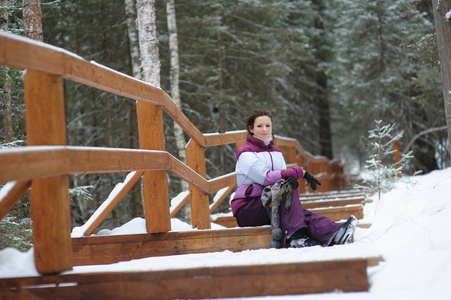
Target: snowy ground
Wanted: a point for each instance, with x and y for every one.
(410, 230)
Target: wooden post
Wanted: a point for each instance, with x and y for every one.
(442, 19)
(200, 210)
(337, 175)
(397, 159)
(50, 206)
(291, 155)
(329, 172)
(320, 169)
(282, 148)
(155, 183)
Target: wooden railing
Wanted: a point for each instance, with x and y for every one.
(47, 161)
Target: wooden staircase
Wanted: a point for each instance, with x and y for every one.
(45, 166)
(336, 205)
(319, 276)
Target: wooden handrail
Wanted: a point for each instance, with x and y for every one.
(27, 163)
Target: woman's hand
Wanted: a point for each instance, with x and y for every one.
(311, 180)
(296, 172)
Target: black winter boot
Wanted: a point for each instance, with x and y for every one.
(301, 239)
(345, 232)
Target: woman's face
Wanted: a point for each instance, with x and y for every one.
(262, 127)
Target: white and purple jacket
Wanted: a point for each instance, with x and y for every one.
(257, 166)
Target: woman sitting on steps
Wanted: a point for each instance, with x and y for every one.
(260, 164)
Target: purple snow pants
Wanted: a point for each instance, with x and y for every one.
(319, 227)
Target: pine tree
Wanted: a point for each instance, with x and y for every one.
(381, 169)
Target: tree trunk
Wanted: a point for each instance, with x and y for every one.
(322, 99)
(443, 33)
(32, 19)
(220, 97)
(7, 111)
(148, 44)
(130, 12)
(174, 76)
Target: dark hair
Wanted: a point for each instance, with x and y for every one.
(250, 120)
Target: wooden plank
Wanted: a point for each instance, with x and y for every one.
(154, 183)
(332, 197)
(397, 159)
(229, 222)
(331, 202)
(183, 171)
(12, 192)
(111, 249)
(225, 138)
(224, 193)
(38, 162)
(218, 183)
(347, 275)
(340, 213)
(102, 212)
(50, 203)
(26, 163)
(331, 194)
(177, 207)
(19, 52)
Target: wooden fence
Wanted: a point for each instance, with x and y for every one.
(47, 161)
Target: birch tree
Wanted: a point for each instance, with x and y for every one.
(148, 43)
(174, 77)
(130, 12)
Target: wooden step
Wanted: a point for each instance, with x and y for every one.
(110, 249)
(230, 222)
(334, 192)
(309, 204)
(334, 213)
(330, 195)
(226, 221)
(347, 275)
(340, 213)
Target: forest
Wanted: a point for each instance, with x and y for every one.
(326, 69)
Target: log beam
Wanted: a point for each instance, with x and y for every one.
(50, 205)
(347, 275)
